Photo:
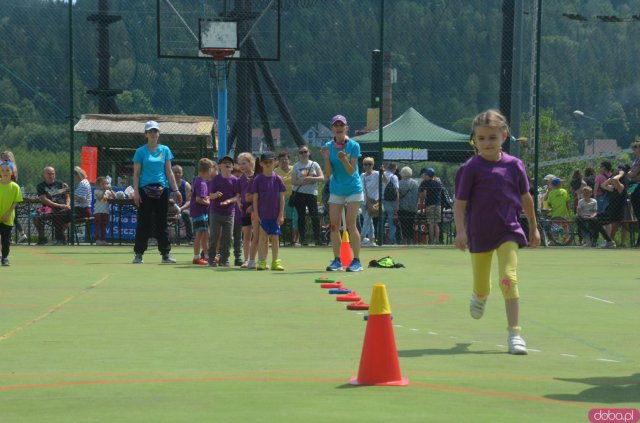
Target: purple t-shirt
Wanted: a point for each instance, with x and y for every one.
(244, 187)
(492, 191)
(268, 189)
(200, 189)
(227, 186)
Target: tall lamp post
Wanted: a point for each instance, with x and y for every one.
(580, 114)
(589, 142)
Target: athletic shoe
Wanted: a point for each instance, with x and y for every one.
(517, 345)
(167, 259)
(355, 266)
(60, 243)
(212, 263)
(262, 265)
(23, 238)
(199, 262)
(251, 264)
(5, 262)
(476, 306)
(334, 266)
(277, 265)
(137, 259)
(244, 264)
(224, 264)
(610, 244)
(238, 262)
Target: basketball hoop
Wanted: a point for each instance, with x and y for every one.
(218, 54)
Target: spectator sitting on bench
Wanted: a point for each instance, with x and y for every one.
(56, 206)
(82, 194)
(586, 214)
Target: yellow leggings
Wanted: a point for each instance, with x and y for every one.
(507, 264)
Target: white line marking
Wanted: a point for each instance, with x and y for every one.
(606, 360)
(413, 329)
(568, 355)
(398, 326)
(433, 333)
(599, 299)
(501, 346)
(453, 337)
(534, 350)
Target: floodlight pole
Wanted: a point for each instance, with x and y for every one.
(380, 229)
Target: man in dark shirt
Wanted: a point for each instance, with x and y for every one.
(430, 192)
(56, 206)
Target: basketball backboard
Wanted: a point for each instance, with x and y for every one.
(257, 22)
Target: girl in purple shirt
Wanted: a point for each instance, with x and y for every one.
(492, 189)
(268, 204)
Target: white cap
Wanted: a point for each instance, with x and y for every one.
(549, 177)
(152, 124)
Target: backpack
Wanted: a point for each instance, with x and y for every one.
(446, 202)
(390, 192)
(385, 262)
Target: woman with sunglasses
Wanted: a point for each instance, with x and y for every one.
(341, 163)
(304, 185)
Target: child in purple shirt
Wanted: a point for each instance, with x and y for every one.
(492, 189)
(268, 203)
(199, 211)
(222, 198)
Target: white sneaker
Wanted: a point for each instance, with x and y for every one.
(610, 244)
(22, 239)
(476, 306)
(517, 346)
(251, 264)
(244, 264)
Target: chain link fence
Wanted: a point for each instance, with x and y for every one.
(443, 60)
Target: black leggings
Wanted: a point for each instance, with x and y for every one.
(5, 238)
(302, 202)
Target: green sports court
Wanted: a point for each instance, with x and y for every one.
(86, 336)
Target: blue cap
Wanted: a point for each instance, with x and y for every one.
(429, 171)
(8, 163)
(556, 181)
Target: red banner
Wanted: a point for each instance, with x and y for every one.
(89, 162)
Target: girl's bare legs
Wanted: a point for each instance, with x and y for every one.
(246, 241)
(354, 234)
(255, 239)
(335, 217)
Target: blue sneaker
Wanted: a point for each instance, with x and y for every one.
(334, 266)
(355, 266)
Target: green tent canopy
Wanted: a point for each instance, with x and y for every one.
(412, 130)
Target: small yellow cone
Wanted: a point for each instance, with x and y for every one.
(379, 303)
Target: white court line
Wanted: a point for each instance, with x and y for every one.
(415, 330)
(398, 326)
(432, 333)
(568, 355)
(599, 299)
(606, 360)
(534, 350)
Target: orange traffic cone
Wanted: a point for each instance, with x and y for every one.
(345, 250)
(379, 361)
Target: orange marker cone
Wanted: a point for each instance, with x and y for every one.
(379, 361)
(345, 250)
